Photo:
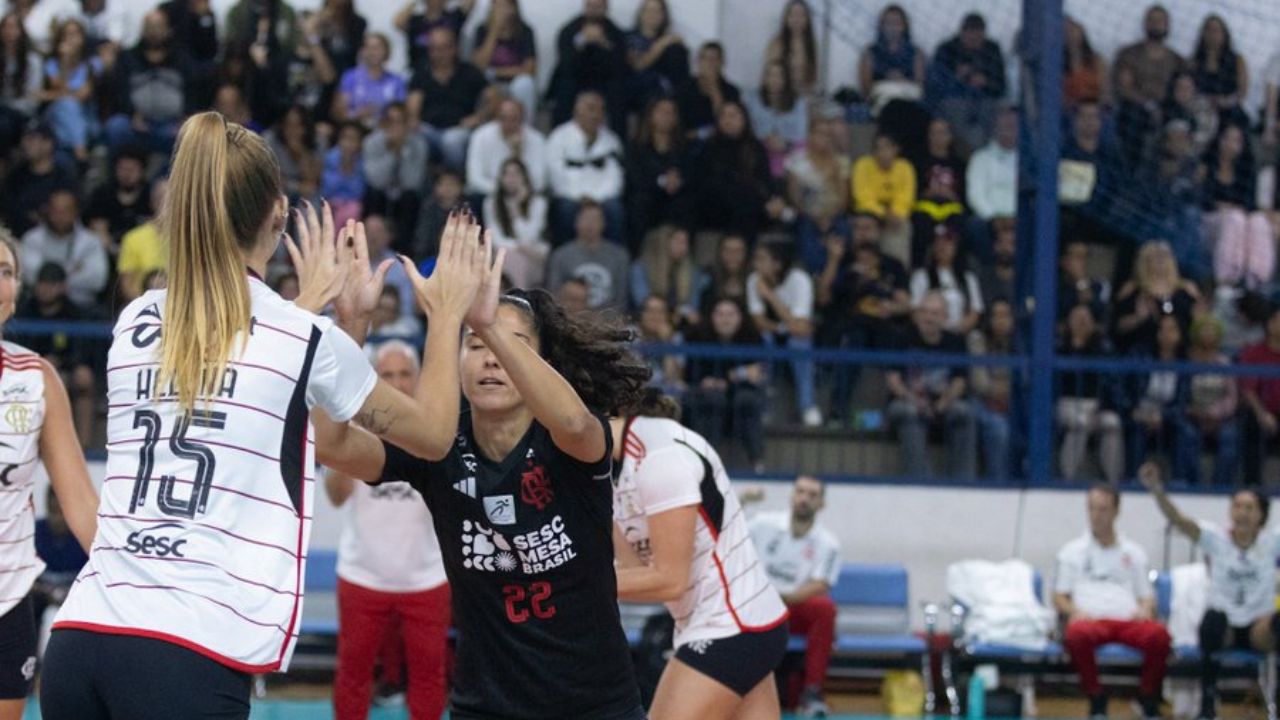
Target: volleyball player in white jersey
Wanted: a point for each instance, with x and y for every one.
(682, 539)
(196, 573)
(1241, 612)
(35, 425)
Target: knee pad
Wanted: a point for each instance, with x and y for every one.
(1213, 630)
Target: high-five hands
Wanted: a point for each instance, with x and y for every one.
(452, 287)
(322, 270)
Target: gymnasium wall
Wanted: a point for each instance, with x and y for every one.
(926, 528)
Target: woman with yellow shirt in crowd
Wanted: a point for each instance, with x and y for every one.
(142, 249)
(884, 185)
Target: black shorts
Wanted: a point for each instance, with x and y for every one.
(739, 662)
(95, 676)
(17, 651)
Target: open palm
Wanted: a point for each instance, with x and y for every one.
(484, 311)
(359, 296)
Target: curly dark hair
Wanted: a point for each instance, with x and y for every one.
(591, 350)
(656, 404)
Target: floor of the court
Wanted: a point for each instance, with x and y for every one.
(320, 710)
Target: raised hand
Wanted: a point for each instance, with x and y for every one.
(484, 311)
(453, 284)
(315, 258)
(359, 296)
(1149, 476)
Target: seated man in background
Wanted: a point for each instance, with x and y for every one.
(802, 559)
(1102, 589)
(71, 356)
(924, 397)
(61, 239)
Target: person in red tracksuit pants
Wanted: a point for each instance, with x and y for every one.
(392, 591)
(1103, 590)
(802, 559)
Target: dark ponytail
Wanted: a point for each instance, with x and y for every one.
(590, 350)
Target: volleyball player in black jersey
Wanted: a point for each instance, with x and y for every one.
(522, 506)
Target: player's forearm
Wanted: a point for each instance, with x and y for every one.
(437, 395)
(646, 583)
(806, 591)
(550, 397)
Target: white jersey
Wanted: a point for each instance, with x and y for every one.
(1242, 582)
(666, 466)
(21, 418)
(1104, 582)
(793, 561)
(205, 516)
(388, 540)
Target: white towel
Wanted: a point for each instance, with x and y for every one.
(1001, 602)
(1187, 605)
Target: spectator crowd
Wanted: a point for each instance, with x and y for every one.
(640, 180)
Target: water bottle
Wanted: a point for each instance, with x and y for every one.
(977, 697)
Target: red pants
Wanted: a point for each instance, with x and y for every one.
(1147, 636)
(815, 618)
(364, 618)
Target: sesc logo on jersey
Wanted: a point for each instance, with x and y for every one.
(485, 549)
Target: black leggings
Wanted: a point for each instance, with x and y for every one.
(1216, 634)
(94, 676)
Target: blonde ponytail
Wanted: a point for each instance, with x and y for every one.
(222, 187)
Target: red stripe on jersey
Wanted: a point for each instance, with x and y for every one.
(724, 583)
(216, 401)
(293, 619)
(203, 442)
(175, 588)
(21, 539)
(15, 569)
(23, 364)
(228, 533)
(221, 488)
(282, 331)
(192, 561)
(632, 446)
(264, 368)
(171, 639)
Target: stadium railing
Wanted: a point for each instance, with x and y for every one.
(867, 449)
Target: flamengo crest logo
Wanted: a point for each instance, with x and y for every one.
(535, 486)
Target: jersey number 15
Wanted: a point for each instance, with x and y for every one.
(182, 448)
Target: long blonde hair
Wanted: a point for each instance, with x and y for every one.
(673, 280)
(222, 188)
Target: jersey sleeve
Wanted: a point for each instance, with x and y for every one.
(827, 566)
(669, 478)
(601, 469)
(1212, 539)
(402, 466)
(1066, 572)
(341, 376)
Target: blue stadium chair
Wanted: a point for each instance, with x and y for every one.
(873, 624)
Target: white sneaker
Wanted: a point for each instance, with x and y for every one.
(812, 417)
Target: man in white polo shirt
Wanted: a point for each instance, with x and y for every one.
(802, 559)
(1103, 590)
(390, 579)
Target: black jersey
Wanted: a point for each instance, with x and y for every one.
(528, 549)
